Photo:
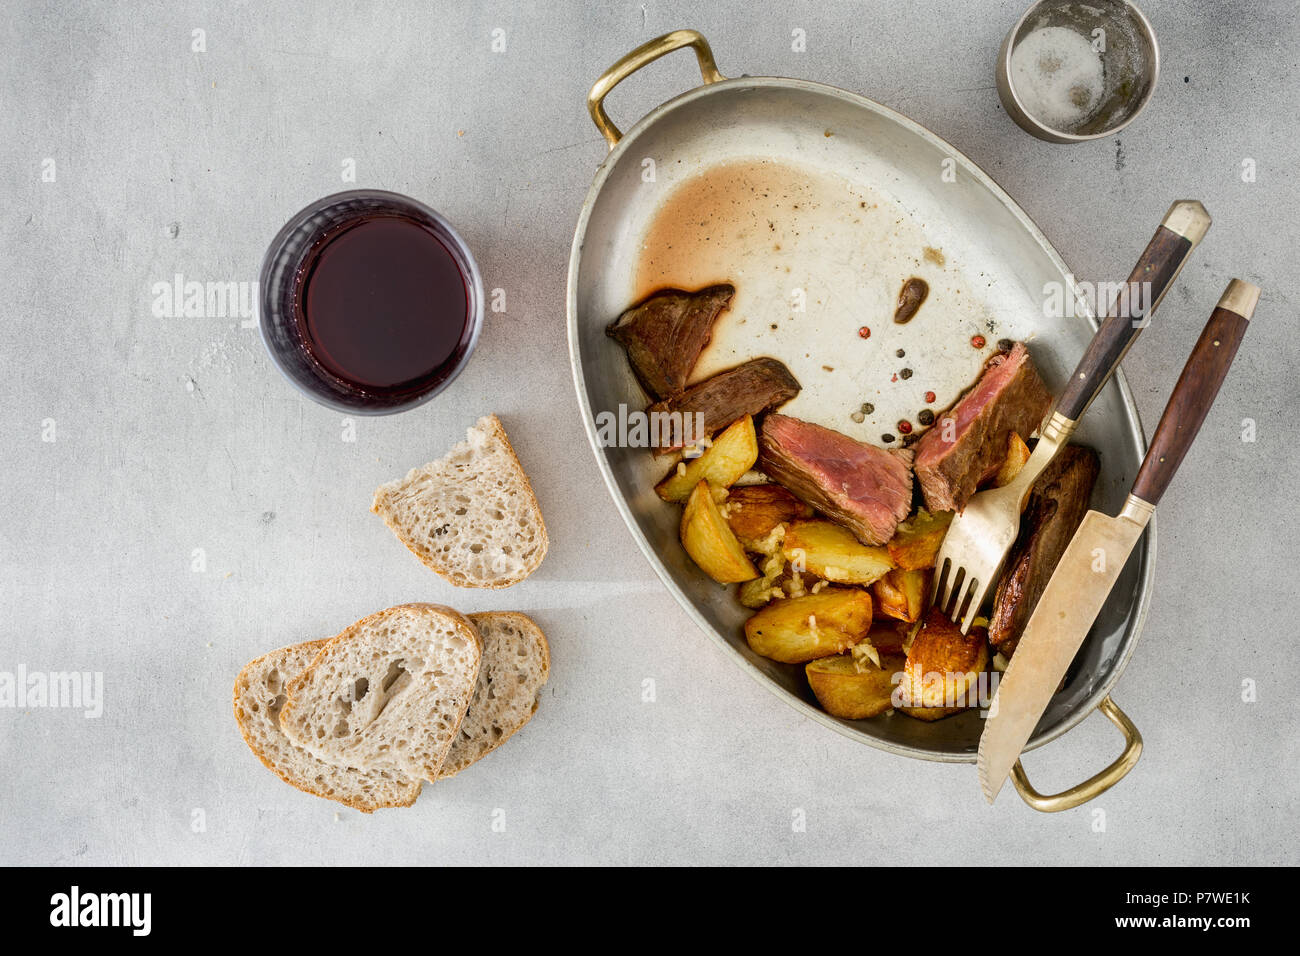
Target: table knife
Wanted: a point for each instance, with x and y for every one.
(1100, 547)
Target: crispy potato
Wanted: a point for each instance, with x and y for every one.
(943, 663)
(800, 629)
(854, 690)
(729, 456)
(929, 714)
(901, 594)
(788, 584)
(888, 636)
(1017, 455)
(833, 553)
(753, 511)
(916, 542)
(709, 541)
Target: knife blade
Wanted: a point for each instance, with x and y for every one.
(1096, 555)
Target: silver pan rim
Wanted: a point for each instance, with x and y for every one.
(1146, 571)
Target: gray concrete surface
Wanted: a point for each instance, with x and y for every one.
(174, 439)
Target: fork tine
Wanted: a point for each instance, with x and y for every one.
(962, 576)
(979, 590)
(965, 600)
(954, 594)
(939, 592)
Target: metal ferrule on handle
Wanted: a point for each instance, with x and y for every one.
(1181, 230)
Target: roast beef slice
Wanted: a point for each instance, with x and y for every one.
(711, 405)
(665, 334)
(965, 443)
(866, 489)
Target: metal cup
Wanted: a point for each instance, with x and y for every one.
(1130, 62)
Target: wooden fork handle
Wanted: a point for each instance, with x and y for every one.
(1183, 227)
(1195, 392)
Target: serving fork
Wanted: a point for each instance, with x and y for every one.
(981, 534)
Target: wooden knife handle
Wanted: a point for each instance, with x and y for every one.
(1184, 225)
(1195, 392)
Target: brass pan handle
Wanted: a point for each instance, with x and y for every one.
(643, 55)
(1095, 785)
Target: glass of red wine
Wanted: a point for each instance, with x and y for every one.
(370, 302)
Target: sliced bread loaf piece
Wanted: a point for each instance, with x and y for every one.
(259, 696)
(389, 693)
(471, 516)
(516, 663)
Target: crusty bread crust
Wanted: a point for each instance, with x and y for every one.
(245, 718)
(298, 690)
(387, 497)
(465, 753)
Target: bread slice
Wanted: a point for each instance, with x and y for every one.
(259, 695)
(471, 516)
(516, 663)
(388, 693)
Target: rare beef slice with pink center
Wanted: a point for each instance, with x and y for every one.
(971, 440)
(865, 488)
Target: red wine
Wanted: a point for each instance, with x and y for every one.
(383, 304)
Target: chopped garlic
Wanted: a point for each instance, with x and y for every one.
(773, 566)
(772, 543)
(796, 588)
(865, 651)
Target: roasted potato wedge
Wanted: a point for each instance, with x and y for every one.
(916, 542)
(854, 690)
(929, 714)
(730, 455)
(943, 663)
(754, 510)
(801, 629)
(901, 594)
(788, 584)
(1017, 455)
(887, 636)
(709, 541)
(833, 553)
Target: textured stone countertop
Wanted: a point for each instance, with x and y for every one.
(174, 508)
